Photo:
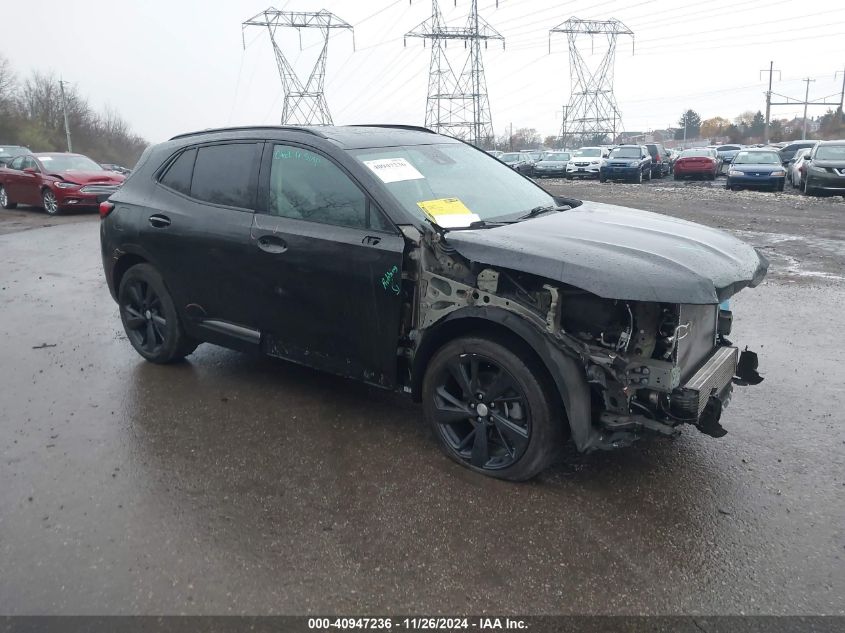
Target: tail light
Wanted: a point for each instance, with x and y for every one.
(105, 208)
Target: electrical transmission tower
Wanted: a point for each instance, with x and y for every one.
(593, 114)
(305, 104)
(457, 102)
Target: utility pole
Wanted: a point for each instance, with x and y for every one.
(684, 119)
(592, 104)
(792, 101)
(64, 110)
(842, 94)
(457, 103)
(305, 103)
(806, 103)
(771, 71)
(510, 139)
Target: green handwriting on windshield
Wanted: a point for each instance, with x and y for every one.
(293, 154)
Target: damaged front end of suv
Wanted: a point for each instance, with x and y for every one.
(627, 310)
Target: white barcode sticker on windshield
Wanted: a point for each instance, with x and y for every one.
(393, 169)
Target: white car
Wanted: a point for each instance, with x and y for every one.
(793, 172)
(586, 162)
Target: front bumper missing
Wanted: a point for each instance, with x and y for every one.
(699, 401)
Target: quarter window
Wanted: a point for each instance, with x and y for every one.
(17, 163)
(307, 186)
(178, 175)
(223, 174)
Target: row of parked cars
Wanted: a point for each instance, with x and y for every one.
(55, 181)
(652, 161)
(815, 167)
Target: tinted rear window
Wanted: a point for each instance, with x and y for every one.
(178, 175)
(223, 174)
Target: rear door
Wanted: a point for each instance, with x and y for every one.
(197, 228)
(328, 266)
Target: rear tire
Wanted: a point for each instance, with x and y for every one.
(492, 408)
(4, 200)
(149, 317)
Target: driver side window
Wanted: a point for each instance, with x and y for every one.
(307, 186)
(29, 163)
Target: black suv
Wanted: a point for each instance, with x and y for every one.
(660, 160)
(417, 263)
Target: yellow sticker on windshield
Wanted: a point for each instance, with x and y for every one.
(448, 212)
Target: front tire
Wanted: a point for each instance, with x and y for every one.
(149, 317)
(492, 408)
(49, 202)
(4, 200)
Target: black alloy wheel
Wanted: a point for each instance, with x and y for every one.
(143, 315)
(490, 410)
(149, 317)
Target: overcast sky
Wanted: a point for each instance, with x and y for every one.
(170, 66)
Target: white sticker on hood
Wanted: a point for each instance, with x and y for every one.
(393, 169)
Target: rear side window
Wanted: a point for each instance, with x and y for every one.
(178, 176)
(223, 174)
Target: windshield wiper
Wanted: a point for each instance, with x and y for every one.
(533, 213)
(480, 224)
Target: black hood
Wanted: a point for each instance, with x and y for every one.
(620, 253)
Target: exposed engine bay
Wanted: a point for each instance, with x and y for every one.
(648, 366)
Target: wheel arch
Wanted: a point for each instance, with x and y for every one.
(562, 371)
(124, 263)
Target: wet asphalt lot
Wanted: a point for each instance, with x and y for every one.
(229, 484)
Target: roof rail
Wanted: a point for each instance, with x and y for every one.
(397, 126)
(244, 128)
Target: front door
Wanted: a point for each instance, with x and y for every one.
(328, 266)
(30, 182)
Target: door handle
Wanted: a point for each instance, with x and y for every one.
(371, 240)
(159, 221)
(272, 244)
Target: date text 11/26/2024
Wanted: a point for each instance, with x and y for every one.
(418, 624)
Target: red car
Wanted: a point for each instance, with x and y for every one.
(702, 162)
(56, 182)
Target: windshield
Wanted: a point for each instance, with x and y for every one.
(510, 158)
(761, 158)
(626, 152)
(558, 156)
(68, 162)
(830, 152)
(452, 179)
(696, 152)
(728, 148)
(589, 152)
